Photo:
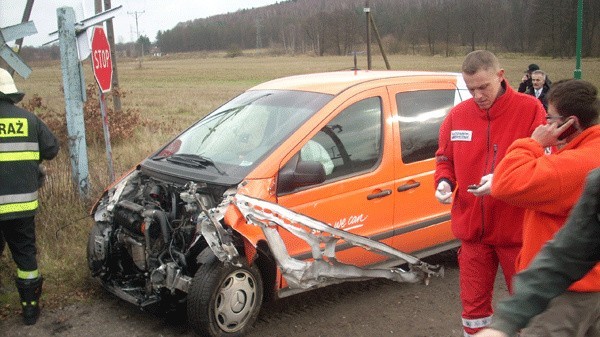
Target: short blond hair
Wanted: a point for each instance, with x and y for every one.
(480, 60)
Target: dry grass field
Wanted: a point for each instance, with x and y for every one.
(171, 92)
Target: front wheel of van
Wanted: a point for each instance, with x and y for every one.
(224, 300)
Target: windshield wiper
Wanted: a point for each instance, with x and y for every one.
(194, 160)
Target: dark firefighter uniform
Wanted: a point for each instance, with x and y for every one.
(24, 142)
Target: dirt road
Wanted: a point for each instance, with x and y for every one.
(371, 308)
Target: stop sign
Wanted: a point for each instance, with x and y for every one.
(101, 59)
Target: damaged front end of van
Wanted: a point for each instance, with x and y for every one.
(155, 243)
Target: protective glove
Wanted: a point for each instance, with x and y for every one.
(443, 192)
(42, 173)
(486, 186)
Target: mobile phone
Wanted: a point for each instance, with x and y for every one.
(473, 187)
(569, 131)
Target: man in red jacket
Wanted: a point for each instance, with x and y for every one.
(548, 186)
(473, 138)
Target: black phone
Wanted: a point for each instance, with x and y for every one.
(569, 131)
(473, 187)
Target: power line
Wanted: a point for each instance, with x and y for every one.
(137, 30)
(136, 14)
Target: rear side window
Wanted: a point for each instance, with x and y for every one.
(420, 114)
(351, 141)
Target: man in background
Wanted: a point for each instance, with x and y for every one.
(540, 87)
(526, 81)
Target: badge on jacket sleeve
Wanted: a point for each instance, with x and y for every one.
(461, 135)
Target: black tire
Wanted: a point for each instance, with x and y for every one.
(95, 262)
(212, 309)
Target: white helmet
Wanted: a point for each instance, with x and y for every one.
(7, 84)
(8, 90)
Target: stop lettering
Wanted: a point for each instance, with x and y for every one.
(101, 59)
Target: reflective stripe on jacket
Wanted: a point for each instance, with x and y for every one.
(19, 151)
(24, 141)
(18, 202)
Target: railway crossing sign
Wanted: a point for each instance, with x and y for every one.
(13, 33)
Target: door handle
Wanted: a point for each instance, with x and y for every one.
(407, 187)
(381, 194)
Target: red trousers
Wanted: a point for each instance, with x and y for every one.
(478, 265)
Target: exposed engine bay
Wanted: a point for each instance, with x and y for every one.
(145, 240)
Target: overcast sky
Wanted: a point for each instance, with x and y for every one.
(152, 15)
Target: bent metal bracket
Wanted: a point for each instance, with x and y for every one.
(325, 269)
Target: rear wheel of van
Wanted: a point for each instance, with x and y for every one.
(224, 300)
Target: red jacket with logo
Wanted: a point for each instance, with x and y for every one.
(548, 186)
(471, 143)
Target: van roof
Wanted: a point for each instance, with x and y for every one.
(338, 81)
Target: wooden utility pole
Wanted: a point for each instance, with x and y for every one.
(137, 31)
(371, 23)
(387, 64)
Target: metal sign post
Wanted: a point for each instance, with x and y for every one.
(111, 171)
(102, 66)
(577, 72)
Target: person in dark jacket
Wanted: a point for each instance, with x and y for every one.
(540, 87)
(527, 83)
(24, 142)
(568, 257)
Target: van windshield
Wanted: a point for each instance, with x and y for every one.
(236, 136)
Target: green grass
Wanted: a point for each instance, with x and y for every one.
(172, 92)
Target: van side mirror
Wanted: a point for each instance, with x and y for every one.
(299, 174)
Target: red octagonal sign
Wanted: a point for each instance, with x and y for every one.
(101, 59)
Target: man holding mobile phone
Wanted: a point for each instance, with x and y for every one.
(547, 186)
(472, 139)
(526, 82)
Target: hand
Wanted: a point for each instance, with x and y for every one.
(42, 173)
(547, 135)
(490, 333)
(525, 78)
(485, 186)
(443, 192)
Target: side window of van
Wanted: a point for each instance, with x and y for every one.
(349, 143)
(420, 114)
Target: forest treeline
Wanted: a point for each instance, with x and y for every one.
(426, 27)
(543, 27)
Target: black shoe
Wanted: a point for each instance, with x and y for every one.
(31, 312)
(30, 291)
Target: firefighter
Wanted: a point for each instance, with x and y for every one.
(24, 142)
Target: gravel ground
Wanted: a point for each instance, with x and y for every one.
(370, 308)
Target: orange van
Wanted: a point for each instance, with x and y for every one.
(297, 183)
